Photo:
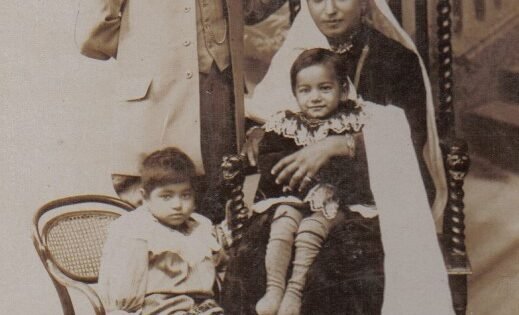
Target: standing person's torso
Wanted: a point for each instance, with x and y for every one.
(212, 35)
(160, 56)
(162, 36)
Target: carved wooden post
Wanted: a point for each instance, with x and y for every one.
(233, 177)
(455, 150)
(446, 111)
(456, 163)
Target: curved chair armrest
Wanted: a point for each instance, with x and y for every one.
(92, 296)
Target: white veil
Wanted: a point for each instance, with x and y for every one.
(274, 93)
(416, 280)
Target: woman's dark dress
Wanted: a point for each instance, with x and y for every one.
(347, 276)
(392, 75)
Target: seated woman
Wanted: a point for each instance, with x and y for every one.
(390, 264)
(385, 67)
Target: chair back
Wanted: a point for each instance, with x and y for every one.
(69, 235)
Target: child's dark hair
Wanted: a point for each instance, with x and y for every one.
(317, 56)
(164, 167)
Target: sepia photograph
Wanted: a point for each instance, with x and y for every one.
(260, 157)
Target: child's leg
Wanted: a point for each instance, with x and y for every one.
(277, 258)
(312, 232)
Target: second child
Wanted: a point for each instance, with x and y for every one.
(161, 257)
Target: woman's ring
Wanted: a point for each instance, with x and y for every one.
(308, 178)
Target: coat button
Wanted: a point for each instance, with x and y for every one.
(187, 9)
(189, 74)
(187, 43)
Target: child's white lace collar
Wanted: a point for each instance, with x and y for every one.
(306, 131)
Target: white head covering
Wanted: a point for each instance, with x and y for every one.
(416, 280)
(274, 92)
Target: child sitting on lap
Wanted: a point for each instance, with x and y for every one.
(326, 109)
(160, 258)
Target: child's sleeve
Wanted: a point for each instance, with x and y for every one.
(222, 235)
(123, 271)
(272, 149)
(97, 28)
(274, 143)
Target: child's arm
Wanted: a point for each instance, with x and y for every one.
(97, 27)
(223, 237)
(308, 160)
(123, 271)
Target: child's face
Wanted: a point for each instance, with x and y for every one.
(318, 92)
(335, 18)
(171, 204)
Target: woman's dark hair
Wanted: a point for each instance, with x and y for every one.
(164, 167)
(317, 56)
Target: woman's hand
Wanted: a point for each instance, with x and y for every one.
(251, 147)
(299, 168)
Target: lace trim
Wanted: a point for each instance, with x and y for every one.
(322, 199)
(306, 132)
(342, 48)
(347, 45)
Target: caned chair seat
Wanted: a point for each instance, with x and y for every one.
(69, 235)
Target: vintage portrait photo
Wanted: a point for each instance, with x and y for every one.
(260, 157)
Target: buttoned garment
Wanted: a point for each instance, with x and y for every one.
(161, 48)
(212, 41)
(158, 47)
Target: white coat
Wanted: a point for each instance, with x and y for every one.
(156, 101)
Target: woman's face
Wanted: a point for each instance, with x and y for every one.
(335, 18)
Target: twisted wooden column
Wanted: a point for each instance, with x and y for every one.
(455, 150)
(446, 110)
(233, 176)
(457, 164)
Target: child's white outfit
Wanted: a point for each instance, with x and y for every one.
(148, 267)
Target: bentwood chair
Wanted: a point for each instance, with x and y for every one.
(69, 235)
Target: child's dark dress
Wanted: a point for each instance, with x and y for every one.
(287, 133)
